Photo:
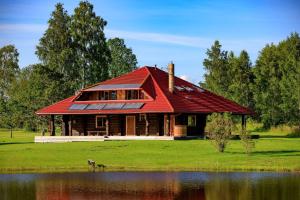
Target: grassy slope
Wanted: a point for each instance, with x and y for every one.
(274, 153)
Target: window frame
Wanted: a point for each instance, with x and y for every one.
(194, 124)
(103, 123)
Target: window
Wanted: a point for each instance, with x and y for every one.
(103, 95)
(142, 95)
(192, 120)
(108, 95)
(132, 94)
(100, 121)
(113, 95)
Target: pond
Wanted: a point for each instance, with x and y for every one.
(151, 185)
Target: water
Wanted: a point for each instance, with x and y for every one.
(151, 185)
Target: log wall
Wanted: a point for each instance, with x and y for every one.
(84, 125)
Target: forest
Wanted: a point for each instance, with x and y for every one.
(74, 52)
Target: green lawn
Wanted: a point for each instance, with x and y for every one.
(21, 154)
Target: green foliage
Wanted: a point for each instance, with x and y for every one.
(217, 78)
(241, 79)
(91, 51)
(277, 82)
(219, 128)
(56, 52)
(30, 92)
(123, 59)
(9, 70)
(9, 67)
(247, 141)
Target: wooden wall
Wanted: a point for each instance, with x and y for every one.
(82, 125)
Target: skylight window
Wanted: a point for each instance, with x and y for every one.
(179, 88)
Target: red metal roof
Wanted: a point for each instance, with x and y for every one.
(186, 98)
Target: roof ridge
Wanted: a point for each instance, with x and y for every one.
(163, 94)
(98, 83)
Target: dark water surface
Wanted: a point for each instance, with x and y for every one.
(151, 185)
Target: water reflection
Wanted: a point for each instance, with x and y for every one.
(142, 185)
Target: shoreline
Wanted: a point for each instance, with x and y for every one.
(134, 169)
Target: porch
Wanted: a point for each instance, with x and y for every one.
(57, 139)
(142, 124)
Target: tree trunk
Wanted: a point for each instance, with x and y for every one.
(11, 132)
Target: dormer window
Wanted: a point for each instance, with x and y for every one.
(105, 95)
(108, 95)
(132, 94)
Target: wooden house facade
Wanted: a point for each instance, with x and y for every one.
(147, 101)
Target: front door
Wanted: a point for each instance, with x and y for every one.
(130, 125)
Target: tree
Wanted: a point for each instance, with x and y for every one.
(267, 92)
(219, 129)
(29, 93)
(217, 78)
(8, 67)
(91, 52)
(123, 60)
(8, 118)
(289, 65)
(241, 79)
(57, 55)
(277, 82)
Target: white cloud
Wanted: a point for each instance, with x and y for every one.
(161, 38)
(33, 28)
(191, 41)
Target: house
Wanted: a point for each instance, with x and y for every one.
(147, 101)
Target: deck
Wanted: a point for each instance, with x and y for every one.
(55, 139)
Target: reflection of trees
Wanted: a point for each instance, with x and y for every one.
(141, 186)
(167, 186)
(14, 189)
(247, 187)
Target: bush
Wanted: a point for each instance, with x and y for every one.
(295, 133)
(219, 129)
(247, 141)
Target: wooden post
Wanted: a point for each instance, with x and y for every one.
(65, 125)
(107, 125)
(243, 122)
(70, 125)
(84, 121)
(147, 125)
(167, 125)
(52, 126)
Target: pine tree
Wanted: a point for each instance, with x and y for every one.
(57, 55)
(216, 65)
(92, 54)
(242, 79)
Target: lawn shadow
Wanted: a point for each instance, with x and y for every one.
(273, 136)
(259, 129)
(270, 153)
(7, 143)
(275, 152)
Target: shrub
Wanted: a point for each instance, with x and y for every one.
(247, 141)
(219, 129)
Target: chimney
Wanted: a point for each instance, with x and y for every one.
(171, 77)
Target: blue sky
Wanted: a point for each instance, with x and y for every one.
(163, 31)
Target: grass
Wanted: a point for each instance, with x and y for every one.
(273, 152)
